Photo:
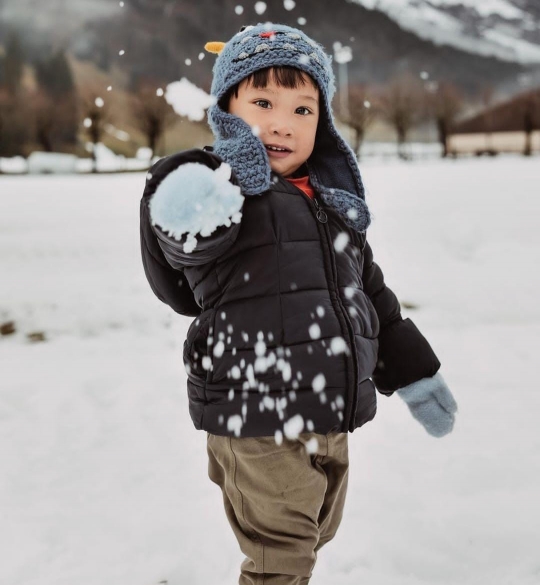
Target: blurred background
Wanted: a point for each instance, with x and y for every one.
(415, 78)
(103, 478)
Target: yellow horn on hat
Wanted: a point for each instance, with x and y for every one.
(214, 47)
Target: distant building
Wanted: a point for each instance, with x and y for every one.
(512, 126)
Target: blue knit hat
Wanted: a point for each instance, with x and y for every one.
(332, 166)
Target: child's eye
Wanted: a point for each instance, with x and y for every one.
(262, 102)
(307, 111)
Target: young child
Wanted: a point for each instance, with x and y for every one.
(263, 239)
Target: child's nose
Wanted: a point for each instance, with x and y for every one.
(281, 127)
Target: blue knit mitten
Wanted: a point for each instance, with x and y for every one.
(431, 403)
(194, 199)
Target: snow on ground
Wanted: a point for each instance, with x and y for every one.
(103, 476)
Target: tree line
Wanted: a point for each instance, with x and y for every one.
(408, 101)
(42, 109)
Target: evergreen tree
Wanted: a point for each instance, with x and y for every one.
(13, 64)
(54, 75)
(56, 81)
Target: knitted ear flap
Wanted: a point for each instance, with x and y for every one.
(214, 47)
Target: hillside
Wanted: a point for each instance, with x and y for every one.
(159, 35)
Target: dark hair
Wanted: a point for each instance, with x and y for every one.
(284, 76)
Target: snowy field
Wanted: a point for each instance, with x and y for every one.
(103, 476)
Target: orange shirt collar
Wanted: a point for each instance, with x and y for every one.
(303, 184)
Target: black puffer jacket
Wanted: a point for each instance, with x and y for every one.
(276, 294)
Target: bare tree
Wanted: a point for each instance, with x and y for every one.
(44, 113)
(13, 125)
(362, 113)
(152, 114)
(487, 95)
(95, 114)
(400, 104)
(50, 119)
(445, 102)
(531, 118)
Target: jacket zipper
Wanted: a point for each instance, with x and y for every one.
(349, 416)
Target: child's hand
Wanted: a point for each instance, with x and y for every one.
(194, 199)
(431, 402)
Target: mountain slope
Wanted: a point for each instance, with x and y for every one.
(164, 39)
(507, 29)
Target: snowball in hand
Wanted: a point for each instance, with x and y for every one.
(194, 199)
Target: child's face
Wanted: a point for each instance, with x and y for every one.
(285, 117)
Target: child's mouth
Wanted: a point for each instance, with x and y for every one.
(277, 152)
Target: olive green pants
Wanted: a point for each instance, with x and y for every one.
(282, 502)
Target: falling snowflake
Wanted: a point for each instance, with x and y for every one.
(219, 348)
(234, 423)
(286, 372)
(338, 345)
(269, 402)
(319, 383)
(312, 446)
(314, 331)
(340, 243)
(293, 427)
(260, 7)
(260, 348)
